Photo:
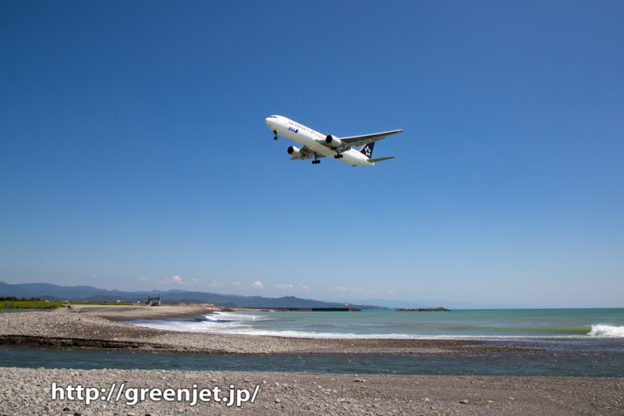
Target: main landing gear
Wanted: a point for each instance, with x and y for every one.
(339, 156)
(274, 134)
(316, 161)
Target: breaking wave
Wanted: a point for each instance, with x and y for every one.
(224, 322)
(610, 331)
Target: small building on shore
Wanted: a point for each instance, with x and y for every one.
(153, 300)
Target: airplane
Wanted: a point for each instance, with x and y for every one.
(317, 145)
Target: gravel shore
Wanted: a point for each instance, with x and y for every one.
(28, 392)
(92, 327)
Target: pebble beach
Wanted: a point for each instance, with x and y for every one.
(101, 327)
(27, 391)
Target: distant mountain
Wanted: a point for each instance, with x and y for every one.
(89, 293)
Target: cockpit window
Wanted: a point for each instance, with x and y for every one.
(272, 116)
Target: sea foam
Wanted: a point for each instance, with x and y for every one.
(610, 331)
(219, 322)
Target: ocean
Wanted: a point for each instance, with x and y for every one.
(480, 324)
(557, 342)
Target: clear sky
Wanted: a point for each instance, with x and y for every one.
(134, 153)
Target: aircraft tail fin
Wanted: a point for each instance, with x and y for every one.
(367, 149)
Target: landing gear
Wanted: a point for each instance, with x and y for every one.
(339, 156)
(316, 161)
(274, 134)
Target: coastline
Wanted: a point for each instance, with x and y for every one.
(28, 391)
(102, 327)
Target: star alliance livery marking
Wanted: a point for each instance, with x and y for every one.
(367, 150)
(317, 145)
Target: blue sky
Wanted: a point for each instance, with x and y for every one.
(135, 154)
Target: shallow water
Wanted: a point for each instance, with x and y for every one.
(588, 359)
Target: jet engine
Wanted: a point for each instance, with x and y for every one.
(333, 141)
(294, 151)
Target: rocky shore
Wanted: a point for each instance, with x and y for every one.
(97, 327)
(29, 392)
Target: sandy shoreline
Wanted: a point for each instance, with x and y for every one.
(141, 311)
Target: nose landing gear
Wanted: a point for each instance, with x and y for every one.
(274, 134)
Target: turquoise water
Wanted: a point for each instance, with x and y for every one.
(487, 324)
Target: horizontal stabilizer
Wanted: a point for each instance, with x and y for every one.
(380, 159)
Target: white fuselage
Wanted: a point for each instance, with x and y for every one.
(313, 140)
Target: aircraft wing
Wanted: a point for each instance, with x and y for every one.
(367, 138)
